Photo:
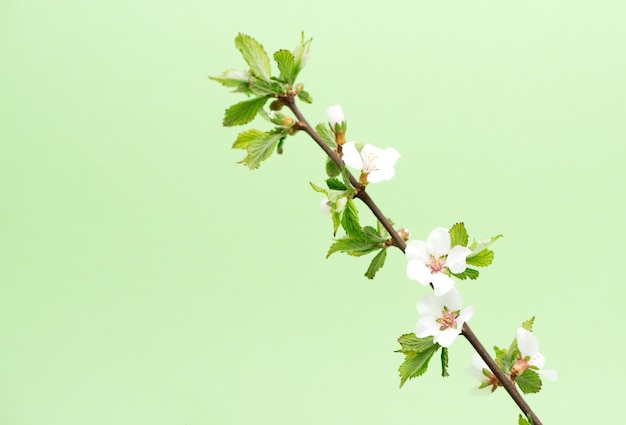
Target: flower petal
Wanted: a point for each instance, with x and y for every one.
(416, 250)
(335, 115)
(438, 242)
(466, 314)
(456, 259)
(549, 373)
(442, 283)
(324, 206)
(446, 337)
(426, 326)
(379, 175)
(537, 360)
(351, 156)
(416, 270)
(430, 305)
(452, 299)
(527, 343)
(388, 158)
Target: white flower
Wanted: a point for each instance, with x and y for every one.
(432, 261)
(441, 317)
(335, 115)
(326, 208)
(479, 370)
(377, 164)
(528, 345)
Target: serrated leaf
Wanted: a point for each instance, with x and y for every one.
(528, 325)
(258, 144)
(350, 221)
(373, 235)
(254, 55)
(266, 88)
(240, 80)
(336, 216)
(505, 359)
(481, 259)
(286, 65)
(243, 112)
(377, 263)
(529, 382)
(467, 274)
(478, 246)
(444, 362)
(416, 364)
(335, 184)
(458, 235)
(305, 96)
(301, 55)
(327, 136)
(352, 247)
(411, 343)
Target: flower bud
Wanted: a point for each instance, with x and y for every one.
(281, 119)
(335, 115)
(404, 234)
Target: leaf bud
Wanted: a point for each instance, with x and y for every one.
(404, 234)
(276, 105)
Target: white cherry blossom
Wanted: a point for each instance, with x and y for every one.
(375, 164)
(335, 115)
(528, 345)
(431, 262)
(441, 317)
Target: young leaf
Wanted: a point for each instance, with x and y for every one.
(458, 235)
(305, 96)
(301, 55)
(258, 144)
(478, 246)
(528, 325)
(416, 364)
(335, 184)
(331, 168)
(444, 362)
(327, 136)
(524, 421)
(350, 221)
(373, 235)
(243, 112)
(481, 259)
(529, 382)
(354, 247)
(286, 66)
(467, 274)
(266, 88)
(377, 263)
(240, 80)
(254, 55)
(411, 343)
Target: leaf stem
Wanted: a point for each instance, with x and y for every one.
(506, 382)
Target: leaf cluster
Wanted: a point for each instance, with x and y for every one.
(418, 352)
(479, 256)
(257, 81)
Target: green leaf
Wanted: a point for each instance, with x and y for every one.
(301, 55)
(377, 263)
(444, 362)
(286, 65)
(373, 235)
(305, 96)
(350, 221)
(336, 216)
(458, 235)
(481, 259)
(411, 343)
(505, 359)
(467, 274)
(528, 325)
(416, 364)
(354, 247)
(529, 382)
(258, 144)
(243, 112)
(335, 184)
(327, 136)
(478, 246)
(265, 88)
(524, 421)
(254, 55)
(332, 170)
(240, 80)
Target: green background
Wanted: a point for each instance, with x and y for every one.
(146, 278)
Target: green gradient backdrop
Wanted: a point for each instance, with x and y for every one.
(146, 278)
